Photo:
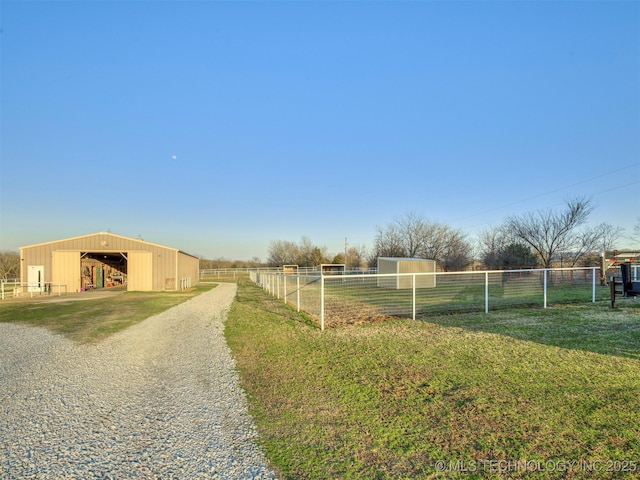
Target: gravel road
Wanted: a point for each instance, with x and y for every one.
(158, 400)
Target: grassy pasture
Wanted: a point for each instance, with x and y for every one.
(359, 299)
(92, 320)
(224, 276)
(454, 396)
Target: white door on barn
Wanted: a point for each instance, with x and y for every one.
(35, 278)
(140, 271)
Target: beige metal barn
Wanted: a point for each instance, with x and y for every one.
(105, 260)
(394, 266)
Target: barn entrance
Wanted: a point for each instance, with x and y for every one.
(103, 270)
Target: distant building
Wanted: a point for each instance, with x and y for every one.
(106, 260)
(394, 267)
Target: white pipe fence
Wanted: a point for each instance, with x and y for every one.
(17, 289)
(354, 298)
(207, 273)
(185, 282)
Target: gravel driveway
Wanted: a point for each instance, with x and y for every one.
(158, 400)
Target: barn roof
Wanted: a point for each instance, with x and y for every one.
(138, 240)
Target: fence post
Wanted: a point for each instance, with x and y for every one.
(486, 292)
(593, 285)
(413, 286)
(544, 288)
(298, 292)
(284, 279)
(321, 301)
(2, 286)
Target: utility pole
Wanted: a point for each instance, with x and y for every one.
(345, 253)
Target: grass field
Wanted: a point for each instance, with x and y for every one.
(518, 393)
(354, 299)
(92, 320)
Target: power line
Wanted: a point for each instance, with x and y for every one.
(559, 190)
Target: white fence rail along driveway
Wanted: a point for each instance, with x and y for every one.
(359, 297)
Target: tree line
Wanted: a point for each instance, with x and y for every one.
(544, 238)
(538, 239)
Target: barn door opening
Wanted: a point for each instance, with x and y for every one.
(104, 269)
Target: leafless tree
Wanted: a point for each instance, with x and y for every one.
(416, 237)
(635, 235)
(492, 242)
(588, 243)
(549, 232)
(282, 252)
(9, 264)
(304, 254)
(388, 243)
(310, 255)
(356, 257)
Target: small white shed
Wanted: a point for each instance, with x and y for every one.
(396, 266)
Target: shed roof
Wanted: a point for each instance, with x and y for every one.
(413, 259)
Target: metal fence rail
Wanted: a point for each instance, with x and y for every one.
(343, 299)
(15, 289)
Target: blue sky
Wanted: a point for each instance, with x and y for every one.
(217, 127)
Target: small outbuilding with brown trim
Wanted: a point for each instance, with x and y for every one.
(105, 260)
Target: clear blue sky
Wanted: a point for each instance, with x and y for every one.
(217, 127)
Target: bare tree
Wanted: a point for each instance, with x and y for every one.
(356, 257)
(548, 232)
(416, 237)
(635, 235)
(282, 252)
(492, 243)
(589, 243)
(310, 255)
(498, 249)
(9, 264)
(304, 254)
(388, 243)
(457, 252)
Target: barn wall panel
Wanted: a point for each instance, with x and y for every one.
(65, 271)
(140, 271)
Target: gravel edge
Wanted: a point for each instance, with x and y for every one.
(161, 399)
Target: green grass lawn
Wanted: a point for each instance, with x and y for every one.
(92, 320)
(395, 399)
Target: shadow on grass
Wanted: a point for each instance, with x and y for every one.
(593, 327)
